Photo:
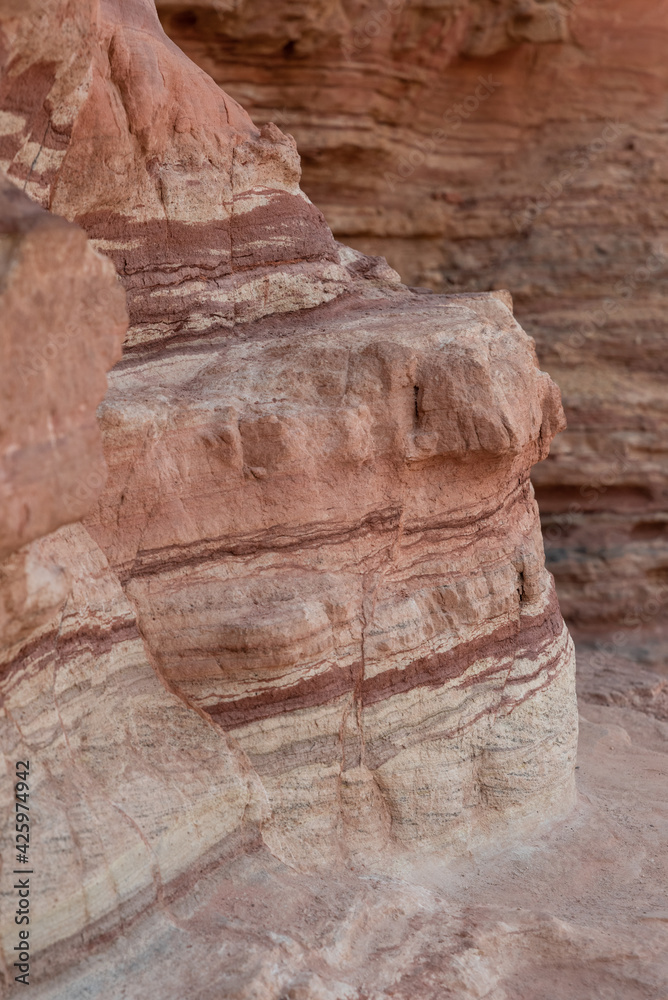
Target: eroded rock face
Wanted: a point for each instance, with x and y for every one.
(333, 547)
(200, 211)
(307, 623)
(129, 788)
(574, 909)
(62, 322)
(449, 138)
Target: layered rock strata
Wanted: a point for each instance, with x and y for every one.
(107, 123)
(504, 145)
(129, 788)
(574, 910)
(308, 619)
(333, 547)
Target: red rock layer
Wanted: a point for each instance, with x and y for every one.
(128, 788)
(332, 544)
(496, 145)
(308, 618)
(107, 123)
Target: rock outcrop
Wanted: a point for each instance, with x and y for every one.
(333, 547)
(63, 321)
(504, 145)
(128, 787)
(306, 623)
(107, 123)
(572, 910)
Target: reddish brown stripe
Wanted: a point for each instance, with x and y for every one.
(287, 229)
(527, 637)
(97, 640)
(266, 328)
(149, 562)
(162, 245)
(305, 693)
(157, 561)
(378, 751)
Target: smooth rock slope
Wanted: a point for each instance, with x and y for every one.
(63, 320)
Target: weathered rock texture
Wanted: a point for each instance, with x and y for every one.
(333, 547)
(307, 622)
(129, 788)
(575, 910)
(63, 318)
(107, 123)
(504, 145)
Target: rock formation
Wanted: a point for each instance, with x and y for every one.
(128, 787)
(64, 319)
(332, 544)
(303, 641)
(482, 145)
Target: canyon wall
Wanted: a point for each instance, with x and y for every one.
(508, 145)
(305, 624)
(128, 787)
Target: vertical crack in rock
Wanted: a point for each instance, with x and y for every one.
(457, 144)
(320, 564)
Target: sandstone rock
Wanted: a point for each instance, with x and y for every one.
(446, 138)
(62, 322)
(307, 627)
(200, 211)
(575, 909)
(129, 788)
(333, 548)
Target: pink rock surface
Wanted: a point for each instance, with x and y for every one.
(62, 320)
(484, 145)
(301, 666)
(110, 125)
(129, 788)
(575, 910)
(323, 520)
(333, 548)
